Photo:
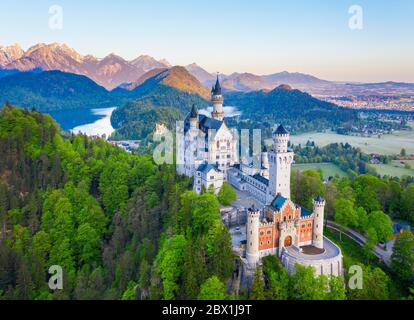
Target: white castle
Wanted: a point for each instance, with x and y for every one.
(216, 159)
(280, 227)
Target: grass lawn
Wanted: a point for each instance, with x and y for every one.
(328, 169)
(388, 144)
(395, 169)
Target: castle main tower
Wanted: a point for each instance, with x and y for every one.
(252, 232)
(318, 212)
(217, 100)
(280, 165)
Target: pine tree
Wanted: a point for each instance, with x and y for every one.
(258, 288)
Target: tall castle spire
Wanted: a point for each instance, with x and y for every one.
(217, 100)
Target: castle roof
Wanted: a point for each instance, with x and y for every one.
(304, 213)
(281, 130)
(216, 90)
(280, 201)
(193, 112)
(261, 179)
(206, 168)
(207, 123)
(319, 199)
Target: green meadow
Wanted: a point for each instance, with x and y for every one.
(395, 169)
(328, 169)
(388, 144)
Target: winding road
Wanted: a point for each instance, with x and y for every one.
(384, 255)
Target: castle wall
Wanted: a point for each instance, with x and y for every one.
(328, 263)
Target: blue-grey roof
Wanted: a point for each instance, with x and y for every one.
(304, 213)
(281, 130)
(216, 90)
(194, 112)
(278, 202)
(261, 179)
(207, 123)
(206, 167)
(319, 199)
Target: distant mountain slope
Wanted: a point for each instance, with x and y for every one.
(162, 96)
(202, 75)
(147, 63)
(245, 82)
(109, 72)
(176, 77)
(10, 54)
(292, 79)
(53, 90)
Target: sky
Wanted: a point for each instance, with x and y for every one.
(257, 36)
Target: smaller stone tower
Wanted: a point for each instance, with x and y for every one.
(252, 232)
(280, 165)
(217, 100)
(318, 220)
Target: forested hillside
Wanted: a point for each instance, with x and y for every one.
(54, 90)
(297, 110)
(120, 226)
(158, 104)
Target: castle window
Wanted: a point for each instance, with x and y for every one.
(218, 144)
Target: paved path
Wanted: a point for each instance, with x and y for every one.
(384, 255)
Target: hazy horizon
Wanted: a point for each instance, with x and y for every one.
(263, 37)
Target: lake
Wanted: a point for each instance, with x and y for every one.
(91, 122)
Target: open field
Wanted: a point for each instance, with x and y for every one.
(328, 169)
(387, 145)
(395, 169)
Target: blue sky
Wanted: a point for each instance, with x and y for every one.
(260, 36)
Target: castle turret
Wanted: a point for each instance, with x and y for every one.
(217, 100)
(281, 139)
(252, 231)
(194, 117)
(318, 213)
(280, 165)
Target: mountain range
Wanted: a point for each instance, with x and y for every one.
(109, 72)
(114, 71)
